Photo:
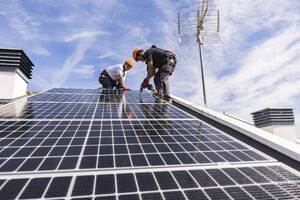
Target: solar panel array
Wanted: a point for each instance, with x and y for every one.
(106, 144)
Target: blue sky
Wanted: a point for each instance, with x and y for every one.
(71, 41)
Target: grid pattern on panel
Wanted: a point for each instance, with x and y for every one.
(94, 98)
(73, 90)
(214, 183)
(35, 110)
(49, 97)
(77, 143)
(37, 145)
(79, 106)
(139, 111)
(129, 98)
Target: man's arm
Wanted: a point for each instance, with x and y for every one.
(150, 70)
(121, 80)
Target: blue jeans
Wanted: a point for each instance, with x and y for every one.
(106, 83)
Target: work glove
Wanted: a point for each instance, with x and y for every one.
(145, 83)
(125, 88)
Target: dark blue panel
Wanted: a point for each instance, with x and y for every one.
(237, 193)
(11, 165)
(84, 185)
(257, 192)
(202, 178)
(237, 176)
(58, 187)
(185, 158)
(165, 180)
(184, 179)
(216, 193)
(154, 159)
(88, 162)
(122, 161)
(269, 173)
(12, 188)
(170, 159)
(68, 163)
(174, 195)
(106, 198)
(24, 152)
(135, 149)
(129, 197)
(35, 188)
(126, 183)
(105, 162)
(50, 164)
(8, 152)
(105, 184)
(200, 158)
(220, 177)
(138, 160)
(146, 182)
(252, 174)
(58, 151)
(195, 194)
(31, 164)
(152, 196)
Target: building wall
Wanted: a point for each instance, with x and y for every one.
(284, 131)
(12, 85)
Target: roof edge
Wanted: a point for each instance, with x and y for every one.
(277, 143)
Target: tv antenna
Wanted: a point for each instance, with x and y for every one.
(200, 26)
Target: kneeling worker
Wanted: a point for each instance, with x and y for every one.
(114, 76)
(160, 64)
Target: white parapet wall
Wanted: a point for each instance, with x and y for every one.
(12, 85)
(285, 131)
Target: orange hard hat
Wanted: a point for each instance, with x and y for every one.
(134, 54)
(130, 62)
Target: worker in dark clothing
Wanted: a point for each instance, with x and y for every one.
(114, 76)
(160, 64)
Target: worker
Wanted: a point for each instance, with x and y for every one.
(114, 76)
(160, 64)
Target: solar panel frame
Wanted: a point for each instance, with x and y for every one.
(158, 145)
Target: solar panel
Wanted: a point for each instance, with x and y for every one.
(106, 144)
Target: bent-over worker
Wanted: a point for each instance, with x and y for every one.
(160, 64)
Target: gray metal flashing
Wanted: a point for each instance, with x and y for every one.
(290, 149)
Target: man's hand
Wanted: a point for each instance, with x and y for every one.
(145, 83)
(125, 88)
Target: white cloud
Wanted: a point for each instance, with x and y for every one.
(84, 35)
(72, 61)
(85, 69)
(106, 55)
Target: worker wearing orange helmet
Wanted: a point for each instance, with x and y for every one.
(114, 76)
(160, 64)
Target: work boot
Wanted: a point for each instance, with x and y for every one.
(169, 100)
(158, 95)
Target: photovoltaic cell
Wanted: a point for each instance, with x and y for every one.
(95, 134)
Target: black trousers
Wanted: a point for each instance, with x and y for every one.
(161, 80)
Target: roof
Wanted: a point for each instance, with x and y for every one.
(106, 144)
(11, 59)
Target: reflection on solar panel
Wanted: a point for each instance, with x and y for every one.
(102, 144)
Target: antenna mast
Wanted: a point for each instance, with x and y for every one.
(200, 26)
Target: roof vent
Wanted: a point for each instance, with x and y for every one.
(15, 73)
(279, 121)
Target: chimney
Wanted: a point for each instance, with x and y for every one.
(279, 121)
(15, 73)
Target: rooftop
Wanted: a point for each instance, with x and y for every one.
(107, 144)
